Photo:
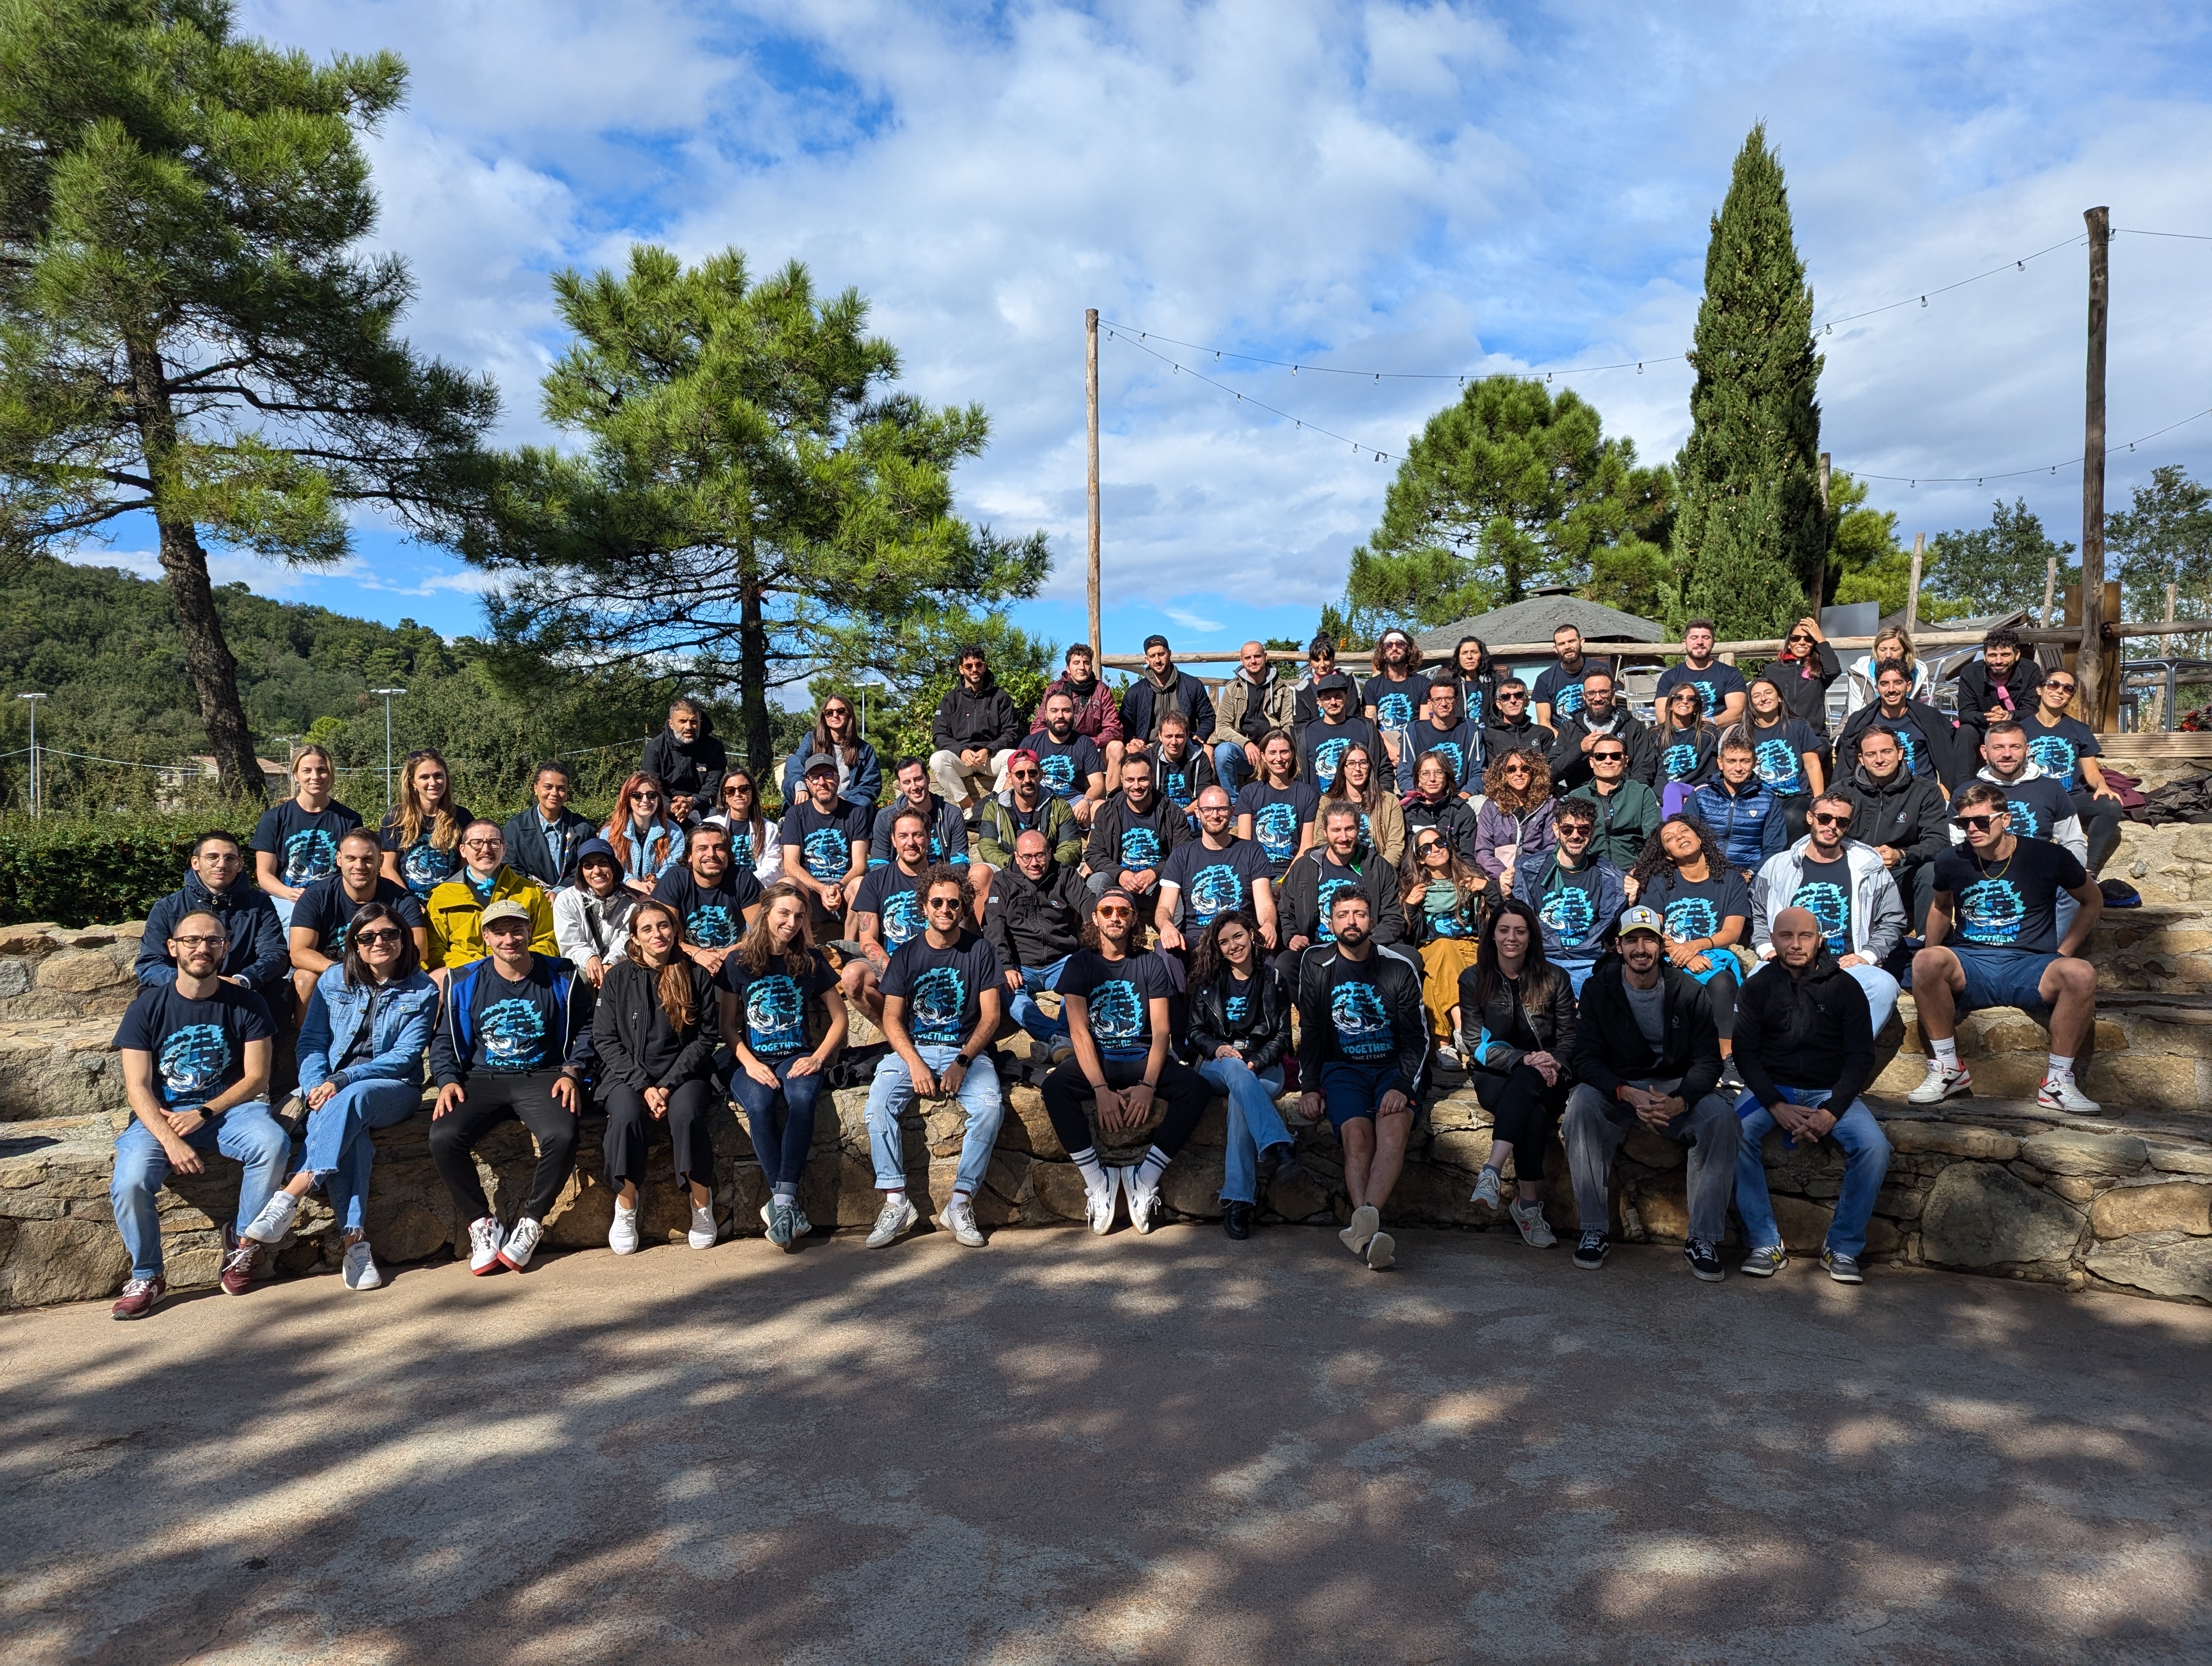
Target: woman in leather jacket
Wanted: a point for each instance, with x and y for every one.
(1521, 1061)
(1240, 1028)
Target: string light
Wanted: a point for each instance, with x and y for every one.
(1297, 423)
(1911, 482)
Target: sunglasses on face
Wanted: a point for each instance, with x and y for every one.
(1576, 830)
(1511, 699)
(1429, 847)
(2057, 687)
(1114, 911)
(365, 938)
(1831, 821)
(952, 902)
(1609, 757)
(645, 798)
(1798, 637)
(1516, 768)
(1971, 822)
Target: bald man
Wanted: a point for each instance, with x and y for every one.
(1257, 699)
(1804, 1044)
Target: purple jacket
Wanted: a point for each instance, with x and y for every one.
(1531, 832)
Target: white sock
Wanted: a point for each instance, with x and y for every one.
(1947, 1053)
(1086, 1164)
(2062, 1069)
(1154, 1165)
(787, 1194)
(898, 1196)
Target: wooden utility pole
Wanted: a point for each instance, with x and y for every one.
(1824, 482)
(2165, 643)
(1090, 395)
(1912, 593)
(2091, 669)
(2050, 587)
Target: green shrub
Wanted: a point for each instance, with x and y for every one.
(84, 871)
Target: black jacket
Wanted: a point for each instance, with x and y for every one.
(527, 851)
(1977, 693)
(1297, 898)
(1807, 697)
(1453, 818)
(1943, 742)
(1399, 985)
(1610, 1049)
(629, 1026)
(1571, 764)
(1035, 922)
(1191, 698)
(1264, 1036)
(1510, 1030)
(1528, 735)
(985, 718)
(1907, 812)
(1809, 1029)
(692, 767)
(258, 952)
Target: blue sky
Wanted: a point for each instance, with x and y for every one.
(1395, 187)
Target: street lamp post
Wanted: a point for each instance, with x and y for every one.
(34, 699)
(389, 695)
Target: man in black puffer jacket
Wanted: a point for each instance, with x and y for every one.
(687, 761)
(1904, 817)
(975, 732)
(1805, 1045)
(1033, 917)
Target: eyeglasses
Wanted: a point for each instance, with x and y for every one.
(1609, 757)
(1970, 823)
(952, 902)
(2057, 686)
(480, 844)
(1831, 821)
(200, 942)
(366, 938)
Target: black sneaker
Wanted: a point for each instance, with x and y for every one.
(1704, 1261)
(1589, 1250)
(1236, 1219)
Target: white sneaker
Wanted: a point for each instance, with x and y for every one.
(1098, 1203)
(895, 1216)
(622, 1231)
(275, 1220)
(961, 1218)
(701, 1236)
(1487, 1189)
(521, 1244)
(1381, 1252)
(485, 1240)
(767, 1213)
(1366, 1222)
(358, 1270)
(1144, 1201)
(2055, 1094)
(1942, 1083)
(1535, 1230)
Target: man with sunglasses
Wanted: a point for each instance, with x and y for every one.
(974, 730)
(1559, 691)
(2066, 750)
(1626, 809)
(1604, 717)
(1577, 894)
(1993, 940)
(943, 991)
(1847, 889)
(1512, 726)
(1024, 808)
(1901, 817)
(457, 906)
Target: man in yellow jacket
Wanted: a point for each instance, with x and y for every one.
(456, 908)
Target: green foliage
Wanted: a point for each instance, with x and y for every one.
(1997, 568)
(923, 669)
(1750, 542)
(1504, 489)
(1867, 560)
(752, 491)
(2165, 537)
(78, 872)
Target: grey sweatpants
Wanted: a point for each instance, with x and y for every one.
(1597, 1123)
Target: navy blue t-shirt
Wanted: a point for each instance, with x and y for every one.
(1142, 834)
(2011, 904)
(825, 843)
(518, 1022)
(325, 909)
(1325, 743)
(775, 1003)
(1687, 757)
(199, 1047)
(422, 867)
(1461, 745)
(894, 897)
(714, 918)
(1360, 1027)
(942, 988)
(1562, 689)
(1176, 778)
(1695, 909)
(2058, 748)
(1780, 749)
(1824, 891)
(1919, 752)
(1715, 682)
(1214, 882)
(1278, 813)
(1118, 996)
(2037, 806)
(1396, 703)
(1067, 764)
(305, 843)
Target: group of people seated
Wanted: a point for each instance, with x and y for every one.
(1318, 884)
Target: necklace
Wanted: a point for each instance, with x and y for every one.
(1982, 867)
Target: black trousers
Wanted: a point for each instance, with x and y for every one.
(1182, 1089)
(1524, 1112)
(629, 1129)
(527, 1099)
(2100, 825)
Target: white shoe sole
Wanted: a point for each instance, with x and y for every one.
(1381, 1252)
(1366, 1221)
(879, 1239)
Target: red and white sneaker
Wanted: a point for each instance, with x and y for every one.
(1942, 1082)
(521, 1244)
(140, 1297)
(485, 1240)
(237, 1255)
(2063, 1093)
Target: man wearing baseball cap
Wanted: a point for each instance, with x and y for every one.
(1327, 737)
(1646, 1050)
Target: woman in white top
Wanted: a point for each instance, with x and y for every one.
(1890, 644)
(590, 918)
(752, 836)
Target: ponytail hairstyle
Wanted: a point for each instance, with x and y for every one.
(672, 979)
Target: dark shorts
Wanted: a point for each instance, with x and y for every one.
(2002, 978)
(1351, 1091)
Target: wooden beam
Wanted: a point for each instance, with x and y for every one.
(2093, 672)
(1090, 401)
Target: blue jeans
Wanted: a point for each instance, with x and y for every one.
(782, 1148)
(1880, 986)
(340, 1152)
(1254, 1124)
(892, 1092)
(246, 1133)
(1231, 764)
(1865, 1162)
(1578, 973)
(1030, 1016)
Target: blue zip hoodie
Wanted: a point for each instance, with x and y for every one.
(258, 952)
(453, 1043)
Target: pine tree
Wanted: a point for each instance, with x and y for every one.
(1751, 541)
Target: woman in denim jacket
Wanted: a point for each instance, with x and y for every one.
(361, 1068)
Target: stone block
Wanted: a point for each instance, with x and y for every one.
(1458, 1110)
(1804, 1223)
(2173, 1206)
(2072, 1151)
(67, 1260)
(1297, 1196)
(15, 975)
(1978, 1214)
(1884, 1240)
(1191, 1185)
(1662, 1205)
(1212, 1129)
(64, 1070)
(836, 1193)
(81, 971)
(1465, 1150)
(2179, 1159)
(1058, 1189)
(1027, 1128)
(1951, 1140)
(2181, 1267)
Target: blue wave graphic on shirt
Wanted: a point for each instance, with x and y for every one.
(1326, 757)
(1567, 699)
(1215, 889)
(2025, 822)
(1680, 760)
(1118, 1016)
(711, 926)
(310, 855)
(1324, 899)
(1691, 916)
(2054, 754)
(513, 1034)
(1140, 848)
(1175, 788)
(1059, 774)
(1456, 755)
(1778, 765)
(1363, 1027)
(1234, 1008)
(775, 1019)
(937, 1006)
(1395, 711)
(193, 1061)
(828, 853)
(1570, 912)
(1276, 827)
(1990, 912)
(424, 867)
(901, 916)
(1830, 905)
(1909, 744)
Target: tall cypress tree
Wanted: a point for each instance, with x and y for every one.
(1752, 540)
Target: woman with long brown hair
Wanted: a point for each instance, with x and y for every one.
(646, 839)
(1706, 907)
(778, 990)
(296, 843)
(1382, 822)
(1686, 744)
(753, 840)
(421, 834)
(656, 1029)
(836, 736)
(1516, 817)
(1522, 1012)
(1443, 896)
